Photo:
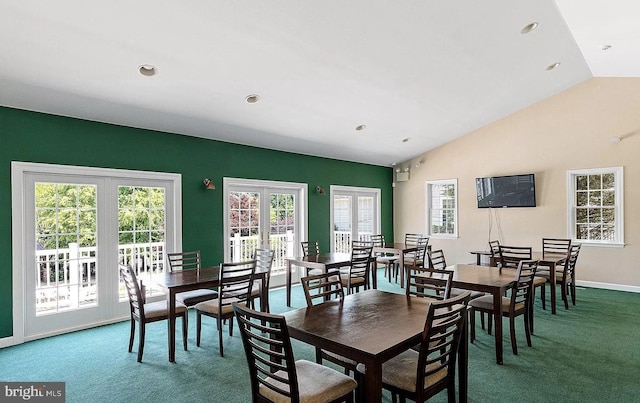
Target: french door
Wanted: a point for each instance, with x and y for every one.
(355, 215)
(264, 214)
(77, 224)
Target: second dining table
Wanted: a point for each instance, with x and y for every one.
(322, 261)
(186, 280)
(487, 279)
(369, 327)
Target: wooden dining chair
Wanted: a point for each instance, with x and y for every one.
(556, 245)
(419, 375)
(388, 260)
(236, 282)
(310, 248)
(565, 276)
(356, 275)
(494, 247)
(274, 373)
(511, 256)
(180, 261)
(516, 304)
(144, 313)
(319, 289)
(264, 262)
(428, 282)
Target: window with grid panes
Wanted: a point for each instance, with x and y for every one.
(595, 206)
(442, 208)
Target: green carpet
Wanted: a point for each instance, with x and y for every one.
(590, 353)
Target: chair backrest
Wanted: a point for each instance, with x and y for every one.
(321, 287)
(136, 297)
(437, 260)
(184, 260)
(267, 346)
(362, 243)
(556, 245)
(411, 240)
(522, 287)
(494, 246)
(430, 283)
(421, 253)
(264, 261)
(360, 260)
(236, 280)
(570, 265)
(310, 248)
(441, 339)
(378, 240)
(510, 256)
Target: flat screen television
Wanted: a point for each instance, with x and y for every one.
(506, 191)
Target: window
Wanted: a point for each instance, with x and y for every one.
(355, 215)
(595, 208)
(442, 208)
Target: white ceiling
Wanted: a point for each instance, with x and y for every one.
(425, 70)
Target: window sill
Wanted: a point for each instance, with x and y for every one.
(599, 244)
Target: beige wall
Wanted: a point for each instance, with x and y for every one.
(571, 130)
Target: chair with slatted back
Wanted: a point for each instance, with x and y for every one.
(356, 275)
(388, 260)
(419, 375)
(144, 313)
(556, 245)
(565, 277)
(511, 256)
(494, 247)
(517, 304)
(428, 282)
(189, 261)
(236, 282)
(318, 289)
(310, 248)
(275, 374)
(264, 262)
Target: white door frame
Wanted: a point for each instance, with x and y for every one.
(354, 191)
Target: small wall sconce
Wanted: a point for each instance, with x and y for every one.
(320, 190)
(208, 184)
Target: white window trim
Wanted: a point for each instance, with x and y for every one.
(354, 191)
(428, 204)
(619, 205)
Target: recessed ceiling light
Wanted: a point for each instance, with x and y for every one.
(147, 70)
(252, 99)
(528, 28)
(605, 47)
(553, 66)
(406, 139)
(361, 127)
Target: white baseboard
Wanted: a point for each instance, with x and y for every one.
(608, 286)
(6, 342)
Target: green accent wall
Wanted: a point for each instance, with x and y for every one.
(37, 137)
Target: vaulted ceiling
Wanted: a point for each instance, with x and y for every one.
(415, 74)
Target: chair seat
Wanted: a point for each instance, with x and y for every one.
(316, 384)
(387, 259)
(159, 308)
(474, 294)
(538, 280)
(486, 303)
(213, 307)
(354, 280)
(193, 297)
(401, 372)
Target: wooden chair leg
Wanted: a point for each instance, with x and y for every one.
(472, 324)
(489, 323)
(141, 342)
(198, 327)
(527, 331)
(543, 298)
(573, 293)
(219, 320)
(132, 335)
(185, 326)
(565, 297)
(512, 331)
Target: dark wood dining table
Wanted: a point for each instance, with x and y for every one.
(400, 249)
(369, 327)
(487, 279)
(550, 260)
(175, 282)
(322, 261)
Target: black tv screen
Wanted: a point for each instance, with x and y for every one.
(506, 191)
